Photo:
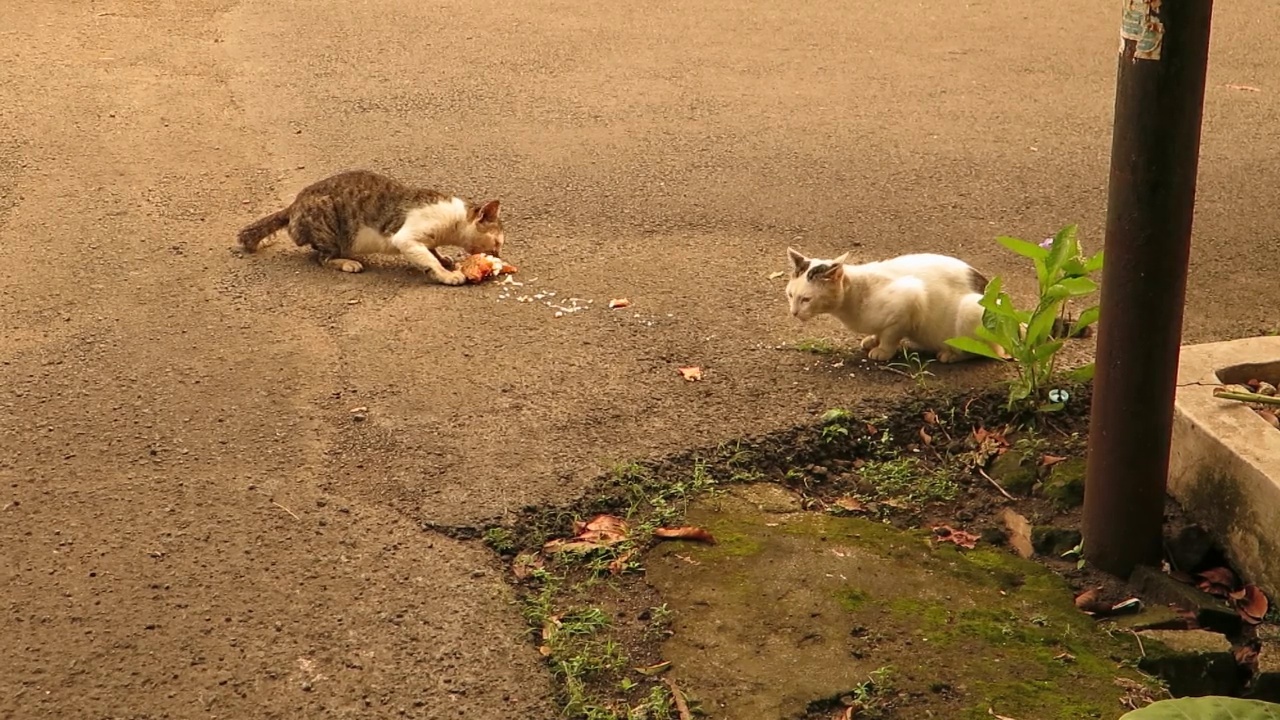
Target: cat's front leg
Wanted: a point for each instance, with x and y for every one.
(426, 258)
(890, 344)
(445, 261)
(869, 342)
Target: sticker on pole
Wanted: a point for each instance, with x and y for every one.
(1141, 23)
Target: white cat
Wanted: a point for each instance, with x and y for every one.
(921, 300)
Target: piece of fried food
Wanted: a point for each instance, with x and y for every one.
(481, 267)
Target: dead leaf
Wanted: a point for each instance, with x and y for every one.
(525, 563)
(1246, 88)
(1087, 598)
(776, 275)
(657, 669)
(618, 564)
(1065, 657)
(931, 417)
(692, 374)
(1253, 606)
(993, 714)
(685, 533)
(925, 437)
(688, 559)
(1019, 532)
(1247, 655)
(682, 705)
(601, 531)
(946, 533)
(849, 503)
(544, 650)
(619, 303)
(847, 714)
(1218, 581)
(1050, 460)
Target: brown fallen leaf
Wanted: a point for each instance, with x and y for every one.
(1253, 606)
(1087, 598)
(601, 531)
(946, 533)
(849, 503)
(931, 417)
(657, 669)
(619, 303)
(682, 705)
(925, 437)
(525, 564)
(1218, 581)
(1019, 532)
(685, 533)
(993, 714)
(692, 374)
(618, 564)
(1050, 460)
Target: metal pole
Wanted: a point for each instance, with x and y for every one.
(1154, 156)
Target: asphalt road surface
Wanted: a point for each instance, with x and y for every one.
(195, 525)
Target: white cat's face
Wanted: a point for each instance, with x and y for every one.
(815, 286)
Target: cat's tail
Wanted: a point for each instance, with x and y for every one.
(262, 228)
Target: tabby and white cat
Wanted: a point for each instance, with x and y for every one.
(920, 300)
(361, 212)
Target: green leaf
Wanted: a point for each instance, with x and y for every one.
(985, 333)
(1042, 273)
(1045, 351)
(1087, 317)
(1074, 267)
(1001, 306)
(1064, 248)
(1084, 373)
(1050, 407)
(1024, 248)
(1079, 286)
(1039, 327)
(970, 345)
(1094, 263)
(1210, 707)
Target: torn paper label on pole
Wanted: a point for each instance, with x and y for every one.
(1141, 24)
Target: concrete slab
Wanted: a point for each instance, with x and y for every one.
(1224, 467)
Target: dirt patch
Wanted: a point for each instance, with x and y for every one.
(864, 560)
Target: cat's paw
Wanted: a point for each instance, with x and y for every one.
(952, 356)
(869, 342)
(344, 265)
(450, 278)
(882, 354)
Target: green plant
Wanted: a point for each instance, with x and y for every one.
(1206, 708)
(835, 424)
(1078, 553)
(1028, 337)
(500, 540)
(913, 367)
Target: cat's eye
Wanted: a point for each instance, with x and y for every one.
(805, 299)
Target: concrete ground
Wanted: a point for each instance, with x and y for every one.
(194, 526)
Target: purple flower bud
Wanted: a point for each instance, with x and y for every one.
(1047, 244)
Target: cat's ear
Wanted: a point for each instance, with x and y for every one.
(843, 259)
(488, 212)
(798, 262)
(833, 272)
